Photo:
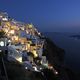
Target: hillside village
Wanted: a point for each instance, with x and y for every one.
(24, 44)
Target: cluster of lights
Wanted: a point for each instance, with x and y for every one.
(28, 46)
(51, 67)
(16, 38)
(6, 30)
(4, 19)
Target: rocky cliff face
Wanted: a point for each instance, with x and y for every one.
(54, 54)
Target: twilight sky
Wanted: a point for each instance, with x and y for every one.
(47, 15)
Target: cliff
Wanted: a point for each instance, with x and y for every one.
(54, 54)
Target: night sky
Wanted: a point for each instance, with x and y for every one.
(47, 15)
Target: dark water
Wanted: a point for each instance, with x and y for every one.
(71, 47)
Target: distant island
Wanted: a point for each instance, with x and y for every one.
(75, 36)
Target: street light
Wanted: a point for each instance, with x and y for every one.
(2, 43)
(56, 72)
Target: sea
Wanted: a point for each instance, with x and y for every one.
(71, 47)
